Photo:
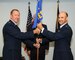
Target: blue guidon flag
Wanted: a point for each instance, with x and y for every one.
(39, 16)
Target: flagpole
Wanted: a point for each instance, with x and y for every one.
(28, 3)
(37, 52)
(58, 1)
(57, 15)
(29, 50)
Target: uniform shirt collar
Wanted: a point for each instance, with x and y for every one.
(14, 22)
(63, 25)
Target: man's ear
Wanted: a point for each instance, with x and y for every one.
(67, 19)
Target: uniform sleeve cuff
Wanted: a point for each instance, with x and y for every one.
(42, 30)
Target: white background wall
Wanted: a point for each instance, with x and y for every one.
(49, 18)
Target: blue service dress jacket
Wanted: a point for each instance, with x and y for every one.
(12, 41)
(62, 38)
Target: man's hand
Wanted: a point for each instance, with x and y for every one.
(36, 45)
(36, 31)
(40, 26)
(28, 52)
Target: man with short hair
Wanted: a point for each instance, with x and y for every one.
(13, 37)
(62, 38)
